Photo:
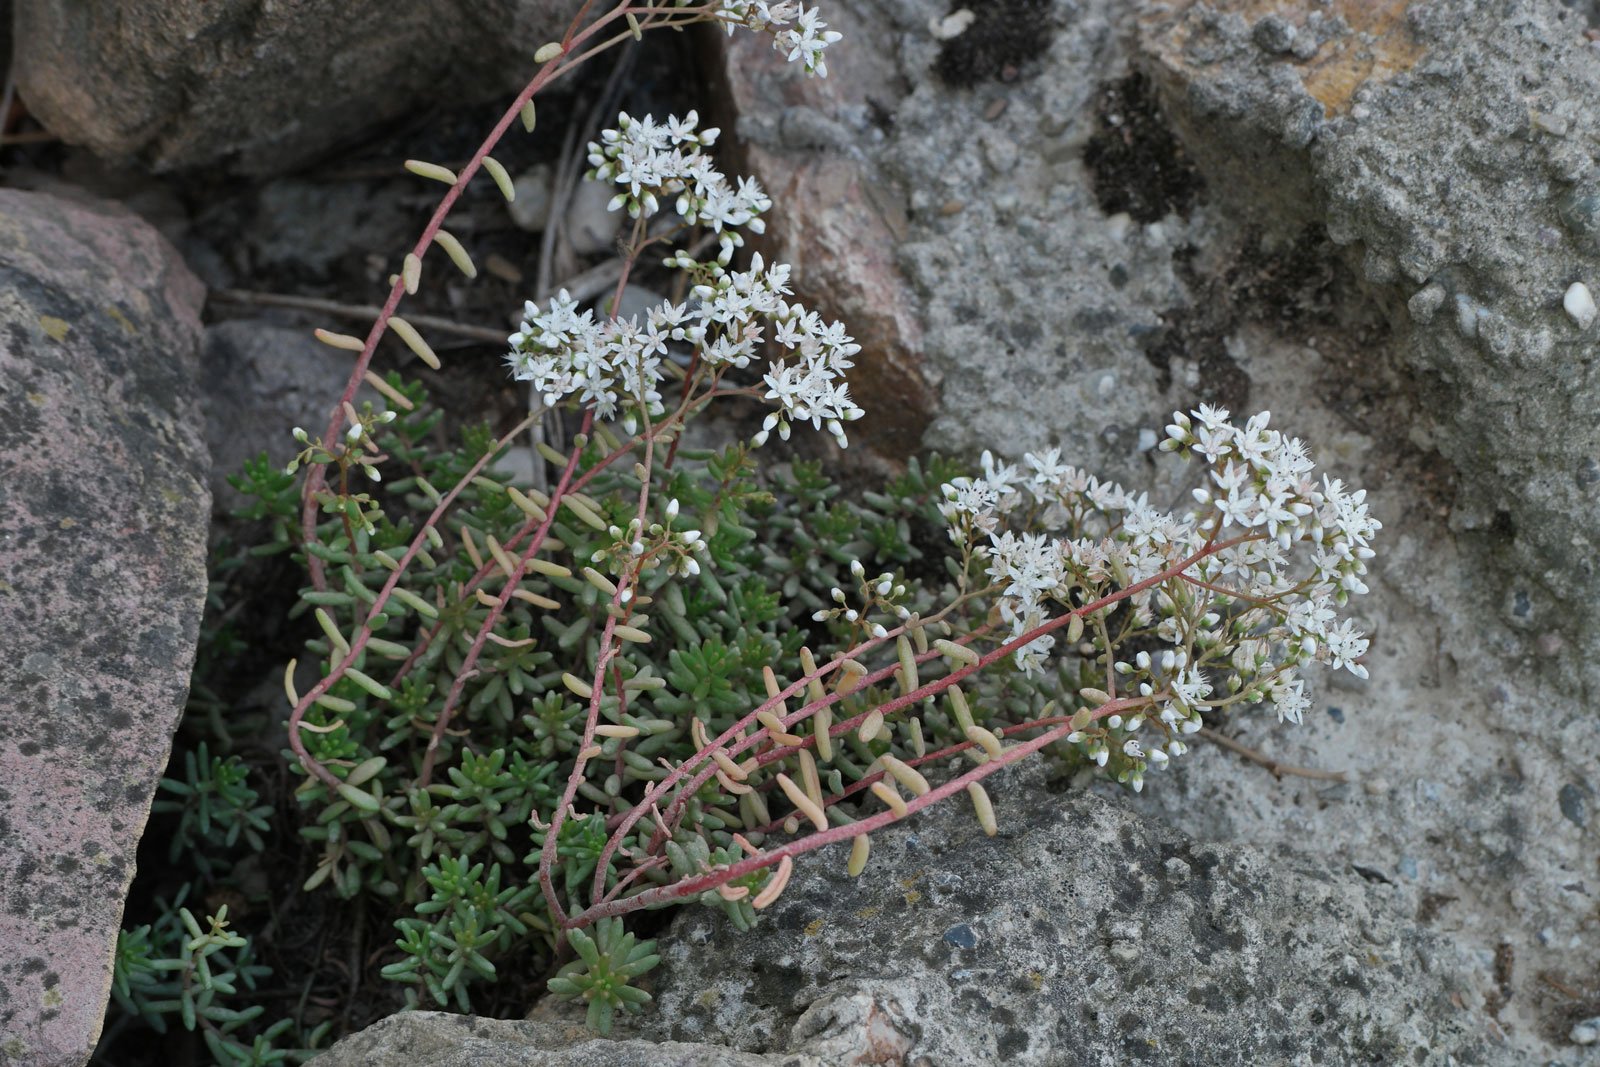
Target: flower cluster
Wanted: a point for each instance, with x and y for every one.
(654, 162)
(796, 32)
(1261, 479)
(606, 364)
(1256, 573)
(615, 365)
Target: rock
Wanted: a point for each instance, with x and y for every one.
(204, 84)
(1443, 140)
(1273, 34)
(1141, 209)
(1573, 800)
(531, 208)
(103, 518)
(1579, 303)
(307, 228)
(835, 219)
(1435, 143)
(439, 1039)
(591, 227)
(261, 380)
(959, 949)
(1082, 934)
(1586, 1032)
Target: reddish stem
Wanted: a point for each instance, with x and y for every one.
(888, 707)
(359, 642)
(555, 68)
(697, 884)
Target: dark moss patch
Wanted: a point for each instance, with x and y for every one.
(1293, 288)
(1003, 36)
(1135, 163)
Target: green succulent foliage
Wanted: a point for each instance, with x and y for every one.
(217, 810)
(202, 975)
(608, 959)
(270, 494)
(477, 919)
(455, 860)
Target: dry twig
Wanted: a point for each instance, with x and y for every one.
(1278, 769)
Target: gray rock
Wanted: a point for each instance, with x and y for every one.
(438, 1039)
(261, 380)
(1024, 282)
(531, 208)
(200, 84)
(1447, 142)
(590, 227)
(1274, 34)
(1574, 802)
(308, 227)
(103, 518)
(1083, 934)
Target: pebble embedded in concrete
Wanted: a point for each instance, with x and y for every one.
(1427, 300)
(962, 936)
(1273, 34)
(1579, 303)
(1574, 803)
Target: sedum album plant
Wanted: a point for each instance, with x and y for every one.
(673, 674)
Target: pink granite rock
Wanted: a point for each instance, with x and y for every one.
(834, 220)
(103, 518)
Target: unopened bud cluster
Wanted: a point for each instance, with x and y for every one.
(881, 595)
(642, 548)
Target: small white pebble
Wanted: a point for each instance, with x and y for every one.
(952, 25)
(1579, 303)
(1586, 1032)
